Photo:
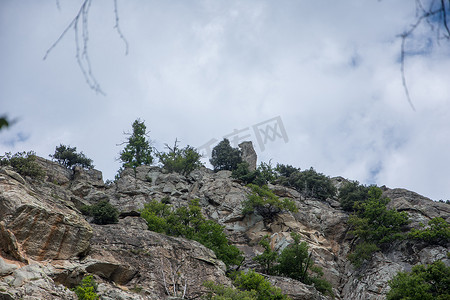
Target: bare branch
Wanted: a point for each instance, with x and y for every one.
(422, 14)
(164, 277)
(402, 70)
(82, 39)
(444, 16)
(117, 27)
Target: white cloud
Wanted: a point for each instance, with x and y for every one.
(199, 70)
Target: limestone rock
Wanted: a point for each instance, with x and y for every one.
(296, 289)
(133, 257)
(56, 173)
(32, 282)
(6, 268)
(44, 226)
(249, 154)
(47, 245)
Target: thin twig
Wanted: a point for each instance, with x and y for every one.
(404, 36)
(402, 70)
(444, 16)
(164, 277)
(81, 43)
(117, 27)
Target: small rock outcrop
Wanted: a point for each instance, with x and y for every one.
(249, 154)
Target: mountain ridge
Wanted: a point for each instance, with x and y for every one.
(47, 245)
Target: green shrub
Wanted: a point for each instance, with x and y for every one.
(431, 282)
(309, 183)
(268, 258)
(437, 232)
(87, 289)
(190, 223)
(375, 225)
(23, 163)
(294, 262)
(261, 176)
(265, 203)
(363, 252)
(313, 184)
(252, 281)
(137, 151)
(225, 157)
(352, 194)
(286, 175)
(182, 161)
(68, 157)
(103, 212)
(221, 292)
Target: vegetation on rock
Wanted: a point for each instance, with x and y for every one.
(249, 286)
(87, 289)
(375, 226)
(23, 163)
(294, 262)
(252, 281)
(437, 232)
(225, 157)
(182, 161)
(309, 182)
(261, 176)
(222, 292)
(265, 203)
(352, 194)
(68, 157)
(190, 223)
(430, 282)
(102, 212)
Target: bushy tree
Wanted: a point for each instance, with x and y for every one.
(190, 223)
(268, 258)
(285, 175)
(309, 182)
(68, 157)
(313, 184)
(263, 174)
(437, 232)
(87, 289)
(430, 282)
(265, 203)
(252, 281)
(294, 262)
(102, 212)
(352, 193)
(375, 226)
(23, 163)
(222, 292)
(182, 161)
(225, 157)
(137, 151)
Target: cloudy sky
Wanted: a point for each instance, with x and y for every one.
(327, 73)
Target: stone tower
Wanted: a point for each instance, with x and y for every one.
(248, 154)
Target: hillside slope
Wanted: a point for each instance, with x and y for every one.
(47, 245)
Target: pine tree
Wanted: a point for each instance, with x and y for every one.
(137, 151)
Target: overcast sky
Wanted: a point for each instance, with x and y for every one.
(327, 72)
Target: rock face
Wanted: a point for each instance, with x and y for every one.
(248, 154)
(47, 246)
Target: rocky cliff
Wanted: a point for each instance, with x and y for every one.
(47, 246)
